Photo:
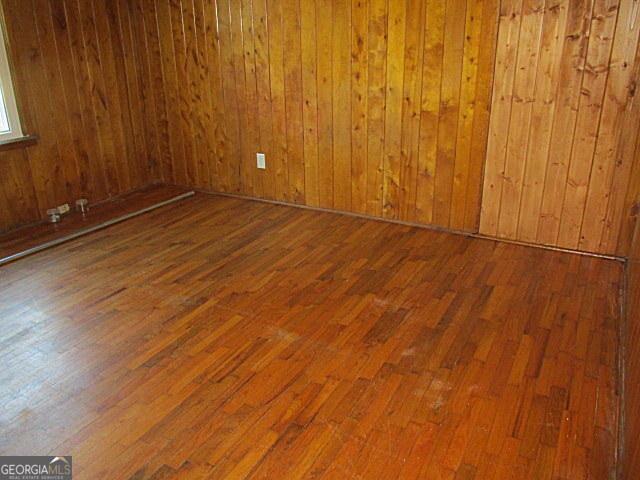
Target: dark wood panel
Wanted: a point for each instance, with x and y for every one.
(631, 337)
(78, 83)
(229, 338)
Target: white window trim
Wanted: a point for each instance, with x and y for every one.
(6, 84)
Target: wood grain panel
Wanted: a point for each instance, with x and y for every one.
(372, 106)
(630, 460)
(563, 125)
(78, 80)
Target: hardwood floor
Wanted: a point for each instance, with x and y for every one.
(228, 338)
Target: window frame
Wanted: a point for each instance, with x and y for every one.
(8, 93)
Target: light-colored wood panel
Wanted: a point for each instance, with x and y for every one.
(560, 158)
(600, 195)
(586, 132)
(506, 56)
(572, 64)
(625, 67)
(547, 85)
(521, 111)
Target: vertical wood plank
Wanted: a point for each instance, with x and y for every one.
(251, 132)
(449, 109)
(17, 190)
(430, 109)
(73, 115)
(549, 66)
(359, 97)
(462, 171)
(376, 103)
(278, 103)
(324, 19)
(521, 110)
(218, 124)
(206, 111)
(629, 124)
(341, 83)
(628, 148)
(231, 178)
(52, 79)
(481, 114)
(565, 116)
(600, 192)
(113, 119)
(309, 55)
(589, 110)
(393, 108)
(145, 83)
(265, 124)
(411, 106)
(293, 95)
(132, 89)
(194, 101)
(46, 163)
(506, 55)
(172, 90)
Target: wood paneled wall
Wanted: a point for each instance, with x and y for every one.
(371, 106)
(77, 76)
(631, 338)
(563, 125)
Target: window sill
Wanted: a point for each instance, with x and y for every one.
(21, 142)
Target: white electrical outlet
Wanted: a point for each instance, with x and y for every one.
(260, 161)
